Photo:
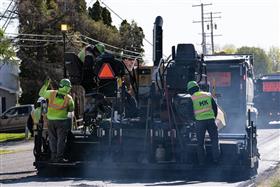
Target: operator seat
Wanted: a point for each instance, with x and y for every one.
(185, 53)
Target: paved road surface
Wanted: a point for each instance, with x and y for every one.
(16, 168)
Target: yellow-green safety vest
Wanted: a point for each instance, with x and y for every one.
(202, 106)
(55, 106)
(36, 116)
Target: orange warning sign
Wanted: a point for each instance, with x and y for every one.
(106, 72)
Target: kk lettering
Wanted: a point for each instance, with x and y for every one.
(203, 103)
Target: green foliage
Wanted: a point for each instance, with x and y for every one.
(96, 11)
(262, 64)
(106, 17)
(51, 4)
(41, 59)
(274, 55)
(11, 136)
(81, 6)
(131, 36)
(73, 7)
(229, 49)
(276, 183)
(98, 31)
(6, 49)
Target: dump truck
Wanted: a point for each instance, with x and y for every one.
(231, 79)
(140, 119)
(267, 98)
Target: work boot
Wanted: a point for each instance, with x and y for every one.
(62, 160)
(53, 158)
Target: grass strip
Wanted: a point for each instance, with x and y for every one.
(11, 136)
(272, 181)
(276, 182)
(3, 151)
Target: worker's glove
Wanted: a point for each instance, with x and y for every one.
(47, 81)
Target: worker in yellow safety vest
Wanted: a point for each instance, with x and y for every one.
(38, 127)
(205, 112)
(59, 104)
(90, 50)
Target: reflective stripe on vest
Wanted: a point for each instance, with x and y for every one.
(55, 106)
(202, 110)
(202, 105)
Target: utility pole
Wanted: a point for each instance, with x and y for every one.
(212, 27)
(203, 43)
(64, 29)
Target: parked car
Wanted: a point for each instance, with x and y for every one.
(15, 118)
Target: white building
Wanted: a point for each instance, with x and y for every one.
(10, 90)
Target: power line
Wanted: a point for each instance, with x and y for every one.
(32, 46)
(7, 9)
(121, 19)
(110, 51)
(10, 11)
(121, 49)
(36, 35)
(37, 40)
(58, 39)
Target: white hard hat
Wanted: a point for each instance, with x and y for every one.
(40, 99)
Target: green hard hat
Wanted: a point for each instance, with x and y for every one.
(100, 47)
(65, 82)
(192, 84)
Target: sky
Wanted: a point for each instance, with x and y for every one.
(253, 23)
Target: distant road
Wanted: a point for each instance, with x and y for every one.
(17, 169)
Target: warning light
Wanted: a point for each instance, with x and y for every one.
(106, 72)
(270, 86)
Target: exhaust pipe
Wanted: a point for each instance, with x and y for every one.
(157, 40)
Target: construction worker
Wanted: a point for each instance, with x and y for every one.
(205, 113)
(38, 127)
(88, 56)
(59, 104)
(93, 51)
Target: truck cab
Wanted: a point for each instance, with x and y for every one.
(231, 82)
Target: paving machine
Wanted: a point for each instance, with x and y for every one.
(141, 119)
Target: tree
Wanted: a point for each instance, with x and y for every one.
(274, 56)
(6, 49)
(80, 6)
(131, 36)
(106, 17)
(45, 57)
(262, 63)
(229, 49)
(96, 11)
